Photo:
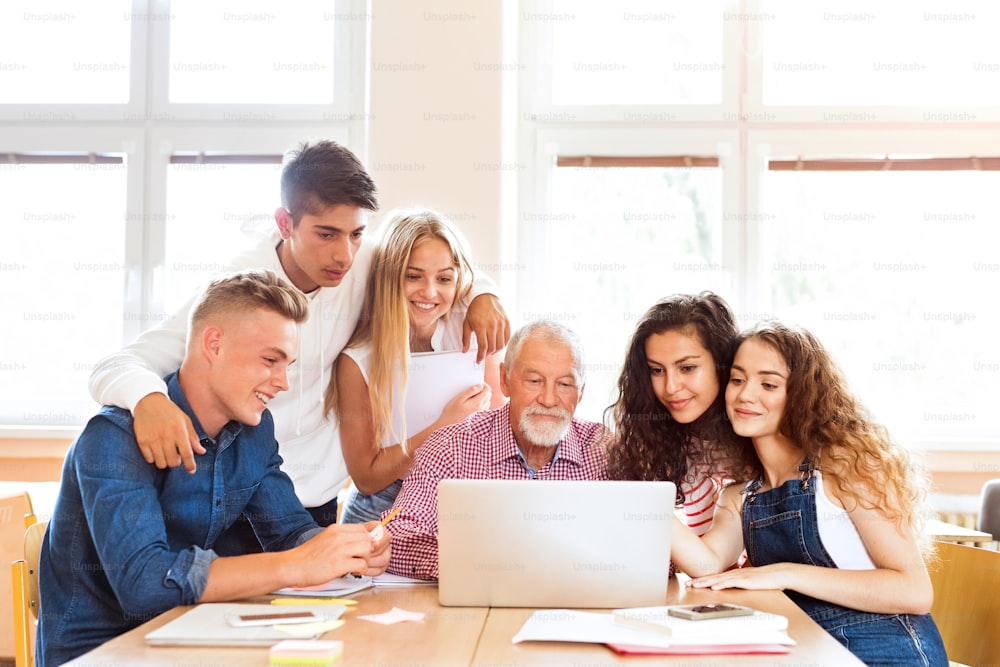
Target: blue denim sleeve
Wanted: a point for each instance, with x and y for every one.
(127, 524)
(189, 573)
(308, 535)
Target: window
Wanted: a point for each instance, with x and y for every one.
(90, 62)
(139, 157)
(935, 53)
(886, 256)
(52, 269)
(890, 269)
(252, 52)
(635, 231)
(659, 54)
(204, 232)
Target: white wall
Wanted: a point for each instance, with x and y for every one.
(435, 114)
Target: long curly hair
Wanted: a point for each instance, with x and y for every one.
(837, 432)
(648, 444)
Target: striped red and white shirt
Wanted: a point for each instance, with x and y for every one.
(701, 491)
(480, 447)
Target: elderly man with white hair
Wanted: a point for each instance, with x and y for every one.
(533, 436)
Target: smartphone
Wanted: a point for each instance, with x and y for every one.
(698, 612)
(275, 618)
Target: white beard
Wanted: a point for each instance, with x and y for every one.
(544, 434)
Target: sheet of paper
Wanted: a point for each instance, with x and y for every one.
(388, 579)
(338, 587)
(433, 379)
(563, 625)
(394, 615)
(658, 619)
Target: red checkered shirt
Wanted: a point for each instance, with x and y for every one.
(480, 447)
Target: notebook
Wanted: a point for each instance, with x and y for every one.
(208, 625)
(532, 543)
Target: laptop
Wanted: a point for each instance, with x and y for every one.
(540, 543)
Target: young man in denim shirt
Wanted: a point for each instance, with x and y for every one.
(128, 541)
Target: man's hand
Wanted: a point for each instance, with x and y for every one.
(165, 434)
(487, 318)
(379, 558)
(361, 549)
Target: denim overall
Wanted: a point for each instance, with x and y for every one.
(780, 526)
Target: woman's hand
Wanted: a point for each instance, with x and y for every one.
(463, 404)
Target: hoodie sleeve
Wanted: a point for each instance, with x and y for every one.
(125, 377)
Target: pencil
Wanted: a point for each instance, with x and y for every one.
(307, 600)
(390, 516)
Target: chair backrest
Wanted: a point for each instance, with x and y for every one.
(967, 602)
(26, 598)
(13, 508)
(989, 508)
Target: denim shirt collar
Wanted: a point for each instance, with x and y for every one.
(228, 433)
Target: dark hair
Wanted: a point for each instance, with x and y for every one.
(318, 176)
(648, 444)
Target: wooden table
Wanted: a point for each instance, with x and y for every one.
(472, 636)
(949, 532)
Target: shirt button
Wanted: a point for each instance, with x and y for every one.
(218, 503)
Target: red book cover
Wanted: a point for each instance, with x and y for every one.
(699, 649)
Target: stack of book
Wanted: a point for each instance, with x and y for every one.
(654, 631)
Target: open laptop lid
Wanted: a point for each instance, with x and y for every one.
(540, 543)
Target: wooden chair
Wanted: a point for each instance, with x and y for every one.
(26, 599)
(967, 602)
(13, 508)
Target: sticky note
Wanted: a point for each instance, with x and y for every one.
(306, 652)
(394, 615)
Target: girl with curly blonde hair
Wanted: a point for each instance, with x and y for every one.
(834, 516)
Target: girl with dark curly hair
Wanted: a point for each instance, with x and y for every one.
(669, 419)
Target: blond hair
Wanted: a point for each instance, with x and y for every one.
(245, 291)
(385, 316)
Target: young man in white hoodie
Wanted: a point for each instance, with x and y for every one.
(320, 247)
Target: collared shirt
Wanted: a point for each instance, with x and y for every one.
(480, 447)
(127, 541)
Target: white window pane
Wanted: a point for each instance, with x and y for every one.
(62, 273)
(637, 235)
(252, 51)
(54, 51)
(635, 52)
(881, 53)
(214, 211)
(897, 273)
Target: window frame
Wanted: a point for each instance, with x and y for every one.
(537, 109)
(749, 132)
(147, 129)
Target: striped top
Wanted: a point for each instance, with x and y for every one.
(701, 491)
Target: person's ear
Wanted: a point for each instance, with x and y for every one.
(504, 383)
(284, 221)
(211, 342)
